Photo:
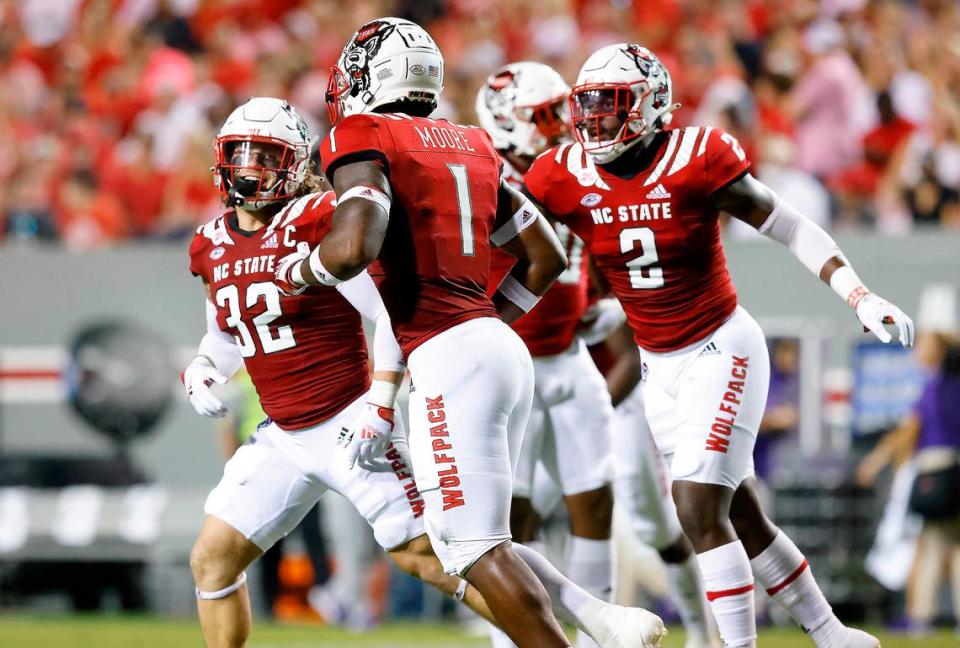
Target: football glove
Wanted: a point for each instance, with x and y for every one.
(283, 277)
(370, 439)
(197, 378)
(874, 312)
(600, 320)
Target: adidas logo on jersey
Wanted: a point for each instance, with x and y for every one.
(658, 193)
(710, 349)
(270, 243)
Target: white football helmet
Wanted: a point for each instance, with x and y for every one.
(262, 153)
(623, 92)
(386, 60)
(523, 106)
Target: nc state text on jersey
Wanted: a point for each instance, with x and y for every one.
(250, 265)
(439, 137)
(628, 213)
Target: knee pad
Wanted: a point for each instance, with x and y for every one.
(222, 593)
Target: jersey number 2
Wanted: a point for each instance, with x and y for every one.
(229, 297)
(629, 240)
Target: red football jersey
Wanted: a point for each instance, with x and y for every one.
(433, 268)
(655, 237)
(306, 355)
(549, 328)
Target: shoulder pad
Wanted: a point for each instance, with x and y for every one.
(216, 231)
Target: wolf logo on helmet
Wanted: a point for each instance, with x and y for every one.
(652, 68)
(500, 96)
(408, 63)
(362, 49)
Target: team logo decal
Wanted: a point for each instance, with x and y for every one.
(364, 47)
(500, 94)
(301, 124)
(591, 200)
(652, 69)
(216, 253)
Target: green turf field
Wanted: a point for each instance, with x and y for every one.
(137, 632)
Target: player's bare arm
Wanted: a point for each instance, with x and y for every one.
(359, 227)
(540, 257)
(753, 202)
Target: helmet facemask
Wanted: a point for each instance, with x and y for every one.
(254, 171)
(607, 118)
(550, 121)
(338, 85)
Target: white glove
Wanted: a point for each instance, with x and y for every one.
(285, 281)
(874, 312)
(370, 439)
(197, 378)
(600, 320)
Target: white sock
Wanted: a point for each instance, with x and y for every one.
(570, 602)
(729, 587)
(689, 597)
(589, 566)
(783, 571)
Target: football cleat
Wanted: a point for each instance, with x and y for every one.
(629, 627)
(853, 638)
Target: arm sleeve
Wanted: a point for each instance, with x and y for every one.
(726, 160)
(363, 296)
(804, 238)
(219, 346)
(354, 139)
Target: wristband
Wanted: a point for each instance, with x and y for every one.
(521, 220)
(323, 275)
(848, 285)
(383, 393)
(372, 194)
(517, 293)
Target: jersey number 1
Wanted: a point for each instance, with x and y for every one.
(459, 172)
(629, 240)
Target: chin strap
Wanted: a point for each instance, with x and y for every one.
(667, 115)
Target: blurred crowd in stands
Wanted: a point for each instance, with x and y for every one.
(849, 108)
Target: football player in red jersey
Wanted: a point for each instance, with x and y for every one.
(523, 107)
(424, 199)
(307, 358)
(645, 199)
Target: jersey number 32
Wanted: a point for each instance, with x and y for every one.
(271, 340)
